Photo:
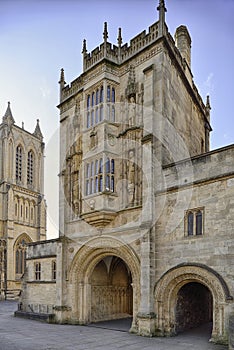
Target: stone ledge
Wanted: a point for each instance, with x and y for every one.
(49, 318)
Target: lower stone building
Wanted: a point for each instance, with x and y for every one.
(146, 208)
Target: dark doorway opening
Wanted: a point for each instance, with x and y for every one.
(194, 307)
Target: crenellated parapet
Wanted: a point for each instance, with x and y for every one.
(119, 54)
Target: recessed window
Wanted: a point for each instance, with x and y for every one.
(95, 106)
(96, 174)
(194, 222)
(38, 271)
(54, 270)
(18, 164)
(20, 257)
(30, 168)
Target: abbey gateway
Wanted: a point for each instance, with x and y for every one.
(146, 209)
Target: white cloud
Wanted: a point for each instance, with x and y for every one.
(208, 84)
(45, 89)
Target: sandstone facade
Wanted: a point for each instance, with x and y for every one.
(146, 209)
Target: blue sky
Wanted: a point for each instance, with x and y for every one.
(39, 37)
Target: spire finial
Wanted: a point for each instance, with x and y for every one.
(162, 10)
(62, 77)
(8, 117)
(119, 39)
(84, 50)
(208, 102)
(37, 131)
(105, 33)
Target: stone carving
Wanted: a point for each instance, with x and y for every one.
(166, 293)
(110, 302)
(93, 139)
(72, 177)
(131, 178)
(132, 112)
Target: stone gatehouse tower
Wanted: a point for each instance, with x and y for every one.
(146, 209)
(22, 205)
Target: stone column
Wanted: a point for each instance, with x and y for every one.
(146, 315)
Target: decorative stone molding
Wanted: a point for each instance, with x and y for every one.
(168, 286)
(80, 271)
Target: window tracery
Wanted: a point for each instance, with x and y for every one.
(95, 105)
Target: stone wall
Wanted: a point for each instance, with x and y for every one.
(231, 332)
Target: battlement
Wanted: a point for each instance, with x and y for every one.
(119, 54)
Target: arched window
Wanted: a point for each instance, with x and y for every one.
(101, 94)
(18, 164)
(108, 165)
(194, 222)
(108, 93)
(199, 223)
(97, 97)
(30, 168)
(88, 101)
(20, 257)
(113, 95)
(112, 166)
(92, 102)
(88, 113)
(190, 224)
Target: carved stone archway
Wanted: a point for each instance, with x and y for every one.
(88, 256)
(168, 286)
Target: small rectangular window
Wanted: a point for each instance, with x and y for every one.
(53, 270)
(38, 271)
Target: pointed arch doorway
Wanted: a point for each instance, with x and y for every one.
(111, 290)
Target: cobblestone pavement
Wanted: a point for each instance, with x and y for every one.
(22, 334)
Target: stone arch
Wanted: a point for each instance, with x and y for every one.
(84, 262)
(168, 286)
(19, 251)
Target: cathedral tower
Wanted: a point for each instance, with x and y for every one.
(22, 210)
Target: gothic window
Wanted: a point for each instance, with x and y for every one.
(95, 106)
(113, 96)
(30, 168)
(99, 177)
(18, 164)
(88, 112)
(108, 93)
(88, 102)
(20, 257)
(38, 271)
(199, 223)
(194, 221)
(97, 97)
(190, 224)
(32, 212)
(101, 94)
(54, 270)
